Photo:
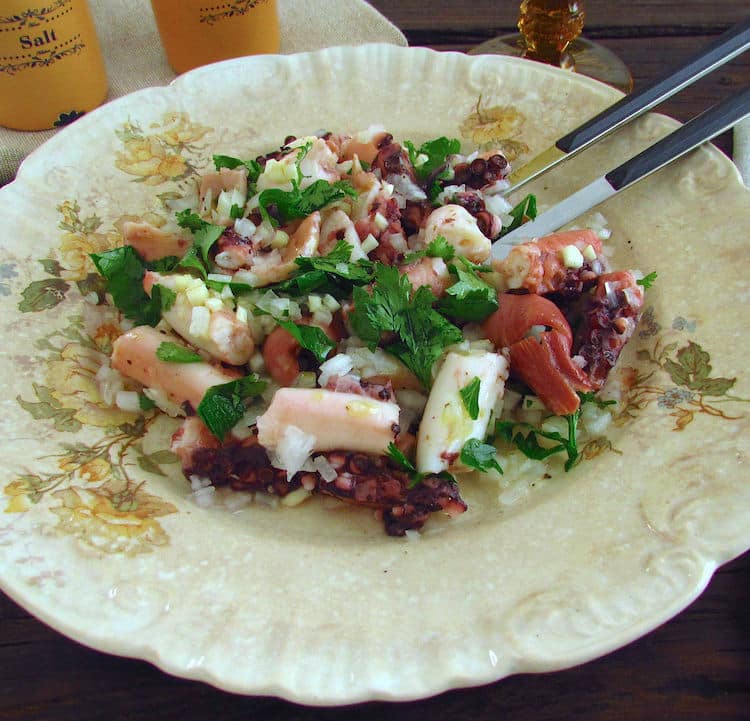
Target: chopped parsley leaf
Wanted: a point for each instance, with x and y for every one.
(123, 270)
(311, 338)
(648, 280)
(470, 297)
(525, 210)
(480, 456)
(165, 296)
(397, 456)
(332, 273)
(430, 161)
(470, 396)
(145, 403)
(223, 406)
(204, 234)
(422, 333)
(191, 261)
(438, 248)
(298, 203)
(173, 353)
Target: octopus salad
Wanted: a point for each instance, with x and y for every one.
(326, 319)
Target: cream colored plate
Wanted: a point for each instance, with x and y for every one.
(100, 539)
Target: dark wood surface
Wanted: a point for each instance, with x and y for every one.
(694, 668)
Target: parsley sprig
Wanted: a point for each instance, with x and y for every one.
(522, 212)
(397, 456)
(430, 161)
(480, 456)
(470, 297)
(421, 333)
(333, 273)
(438, 248)
(123, 270)
(526, 436)
(470, 396)
(311, 338)
(223, 406)
(298, 203)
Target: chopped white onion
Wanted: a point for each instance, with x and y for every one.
(323, 466)
(244, 227)
(200, 319)
(158, 396)
(128, 401)
(339, 365)
(293, 449)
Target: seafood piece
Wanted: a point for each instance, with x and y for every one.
(281, 352)
(609, 321)
(446, 424)
(460, 229)
(152, 243)
(539, 340)
(134, 355)
(224, 336)
(338, 226)
(373, 481)
(518, 315)
(433, 494)
(234, 251)
(395, 167)
(485, 170)
(432, 272)
(336, 421)
(364, 480)
(488, 222)
(564, 262)
(365, 148)
(318, 163)
(353, 384)
(277, 266)
(545, 365)
(224, 180)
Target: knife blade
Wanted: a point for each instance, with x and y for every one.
(703, 127)
(727, 46)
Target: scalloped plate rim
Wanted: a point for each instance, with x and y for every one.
(123, 647)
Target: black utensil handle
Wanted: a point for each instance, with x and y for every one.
(724, 48)
(703, 127)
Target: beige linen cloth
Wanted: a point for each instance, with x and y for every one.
(135, 58)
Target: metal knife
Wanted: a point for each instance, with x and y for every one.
(703, 127)
(727, 46)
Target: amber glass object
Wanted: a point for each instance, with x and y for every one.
(550, 33)
(198, 32)
(51, 66)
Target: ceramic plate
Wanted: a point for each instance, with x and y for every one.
(99, 536)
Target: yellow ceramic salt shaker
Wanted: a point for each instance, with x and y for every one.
(198, 32)
(51, 66)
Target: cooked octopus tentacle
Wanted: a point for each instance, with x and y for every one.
(541, 266)
(609, 320)
(361, 479)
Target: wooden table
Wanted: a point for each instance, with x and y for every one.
(694, 668)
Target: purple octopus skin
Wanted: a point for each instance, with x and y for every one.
(364, 480)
